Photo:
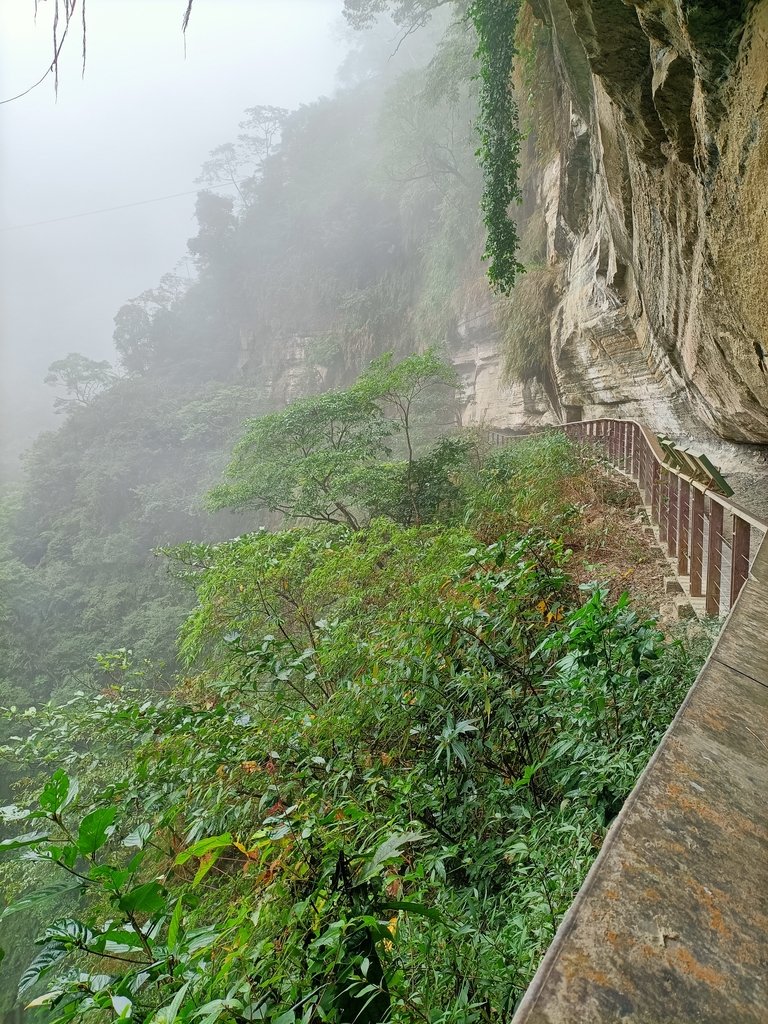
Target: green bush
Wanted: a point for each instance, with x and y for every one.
(390, 768)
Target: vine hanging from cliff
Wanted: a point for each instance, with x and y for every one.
(499, 128)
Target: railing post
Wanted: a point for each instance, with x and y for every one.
(739, 557)
(663, 504)
(672, 516)
(636, 451)
(641, 480)
(631, 449)
(655, 491)
(683, 514)
(697, 542)
(714, 557)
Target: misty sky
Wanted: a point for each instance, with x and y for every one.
(138, 126)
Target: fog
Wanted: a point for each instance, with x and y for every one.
(136, 127)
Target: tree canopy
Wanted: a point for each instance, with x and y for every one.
(81, 378)
(327, 458)
(307, 460)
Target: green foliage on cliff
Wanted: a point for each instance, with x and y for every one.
(306, 461)
(495, 22)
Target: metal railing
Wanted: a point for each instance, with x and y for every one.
(710, 538)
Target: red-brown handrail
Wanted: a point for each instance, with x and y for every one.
(697, 526)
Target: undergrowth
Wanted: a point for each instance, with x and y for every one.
(377, 790)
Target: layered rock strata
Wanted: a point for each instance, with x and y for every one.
(655, 199)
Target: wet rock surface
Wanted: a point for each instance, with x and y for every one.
(656, 210)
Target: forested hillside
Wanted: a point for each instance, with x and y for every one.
(315, 708)
(354, 231)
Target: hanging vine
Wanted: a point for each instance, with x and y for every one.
(499, 127)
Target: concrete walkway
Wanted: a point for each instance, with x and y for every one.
(671, 924)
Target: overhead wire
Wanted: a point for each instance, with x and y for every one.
(123, 206)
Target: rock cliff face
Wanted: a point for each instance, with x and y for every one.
(489, 397)
(654, 194)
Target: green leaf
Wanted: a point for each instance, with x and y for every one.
(139, 836)
(204, 846)
(122, 1006)
(115, 878)
(201, 938)
(48, 997)
(173, 927)
(168, 1014)
(206, 863)
(69, 932)
(98, 982)
(211, 1011)
(214, 1004)
(47, 958)
(390, 850)
(95, 829)
(39, 896)
(413, 908)
(143, 899)
(115, 940)
(28, 839)
(58, 792)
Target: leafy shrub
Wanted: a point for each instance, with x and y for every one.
(391, 769)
